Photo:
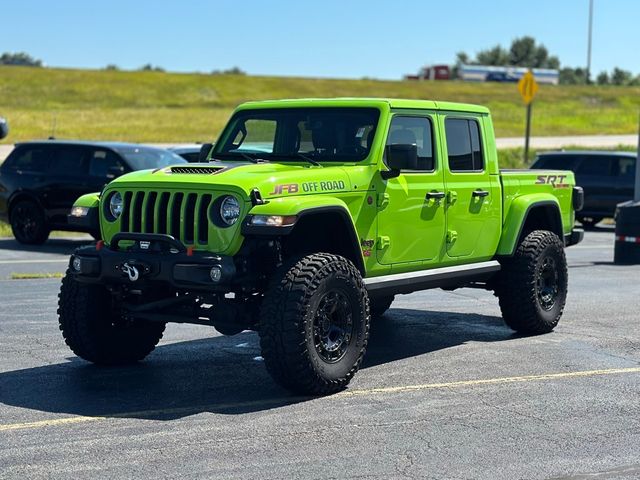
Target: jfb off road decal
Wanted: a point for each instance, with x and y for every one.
(328, 186)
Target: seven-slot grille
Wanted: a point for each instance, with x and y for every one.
(181, 215)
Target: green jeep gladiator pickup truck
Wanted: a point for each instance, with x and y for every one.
(303, 222)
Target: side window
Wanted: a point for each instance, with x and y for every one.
(27, 159)
(463, 145)
(556, 162)
(69, 161)
(624, 167)
(595, 165)
(414, 131)
(104, 163)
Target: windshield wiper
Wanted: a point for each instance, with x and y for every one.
(300, 155)
(246, 156)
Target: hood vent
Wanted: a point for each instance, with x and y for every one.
(196, 170)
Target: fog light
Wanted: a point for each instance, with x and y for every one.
(215, 274)
(79, 211)
(76, 264)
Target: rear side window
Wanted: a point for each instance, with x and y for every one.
(463, 145)
(69, 161)
(624, 167)
(29, 159)
(414, 131)
(555, 162)
(595, 165)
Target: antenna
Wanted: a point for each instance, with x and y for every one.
(54, 123)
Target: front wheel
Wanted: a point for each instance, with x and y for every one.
(28, 223)
(95, 331)
(532, 286)
(314, 324)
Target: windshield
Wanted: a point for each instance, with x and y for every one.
(144, 158)
(323, 134)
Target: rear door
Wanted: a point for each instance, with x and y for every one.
(594, 173)
(473, 206)
(68, 179)
(26, 170)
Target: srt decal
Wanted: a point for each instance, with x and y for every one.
(556, 181)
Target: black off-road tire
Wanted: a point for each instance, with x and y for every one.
(532, 287)
(28, 223)
(95, 332)
(304, 297)
(379, 305)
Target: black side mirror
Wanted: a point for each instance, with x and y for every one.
(204, 152)
(400, 157)
(4, 128)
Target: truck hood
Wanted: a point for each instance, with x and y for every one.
(272, 179)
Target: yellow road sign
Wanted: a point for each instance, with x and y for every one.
(528, 87)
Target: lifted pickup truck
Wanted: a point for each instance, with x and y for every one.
(305, 220)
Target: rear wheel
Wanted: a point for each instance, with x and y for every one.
(314, 324)
(28, 223)
(532, 287)
(95, 331)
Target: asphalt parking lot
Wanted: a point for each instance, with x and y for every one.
(447, 391)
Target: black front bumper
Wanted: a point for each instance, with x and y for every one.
(149, 259)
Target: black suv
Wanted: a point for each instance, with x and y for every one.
(608, 178)
(39, 181)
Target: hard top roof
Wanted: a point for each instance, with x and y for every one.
(366, 102)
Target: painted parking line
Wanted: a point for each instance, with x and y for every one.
(15, 262)
(345, 394)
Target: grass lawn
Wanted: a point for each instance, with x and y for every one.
(170, 107)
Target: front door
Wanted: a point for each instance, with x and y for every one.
(473, 192)
(411, 219)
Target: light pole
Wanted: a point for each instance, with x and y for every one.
(588, 79)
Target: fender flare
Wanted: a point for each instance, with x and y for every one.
(303, 208)
(517, 217)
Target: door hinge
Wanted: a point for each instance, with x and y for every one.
(452, 236)
(452, 196)
(383, 242)
(383, 200)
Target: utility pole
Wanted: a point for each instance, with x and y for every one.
(588, 79)
(636, 195)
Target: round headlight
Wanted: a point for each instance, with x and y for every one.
(115, 205)
(229, 210)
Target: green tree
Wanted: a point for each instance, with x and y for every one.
(493, 56)
(20, 58)
(523, 52)
(602, 78)
(573, 76)
(621, 77)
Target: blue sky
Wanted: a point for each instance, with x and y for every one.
(323, 38)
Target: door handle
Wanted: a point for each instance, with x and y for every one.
(480, 193)
(435, 195)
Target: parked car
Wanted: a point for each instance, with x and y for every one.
(39, 181)
(608, 178)
(191, 153)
